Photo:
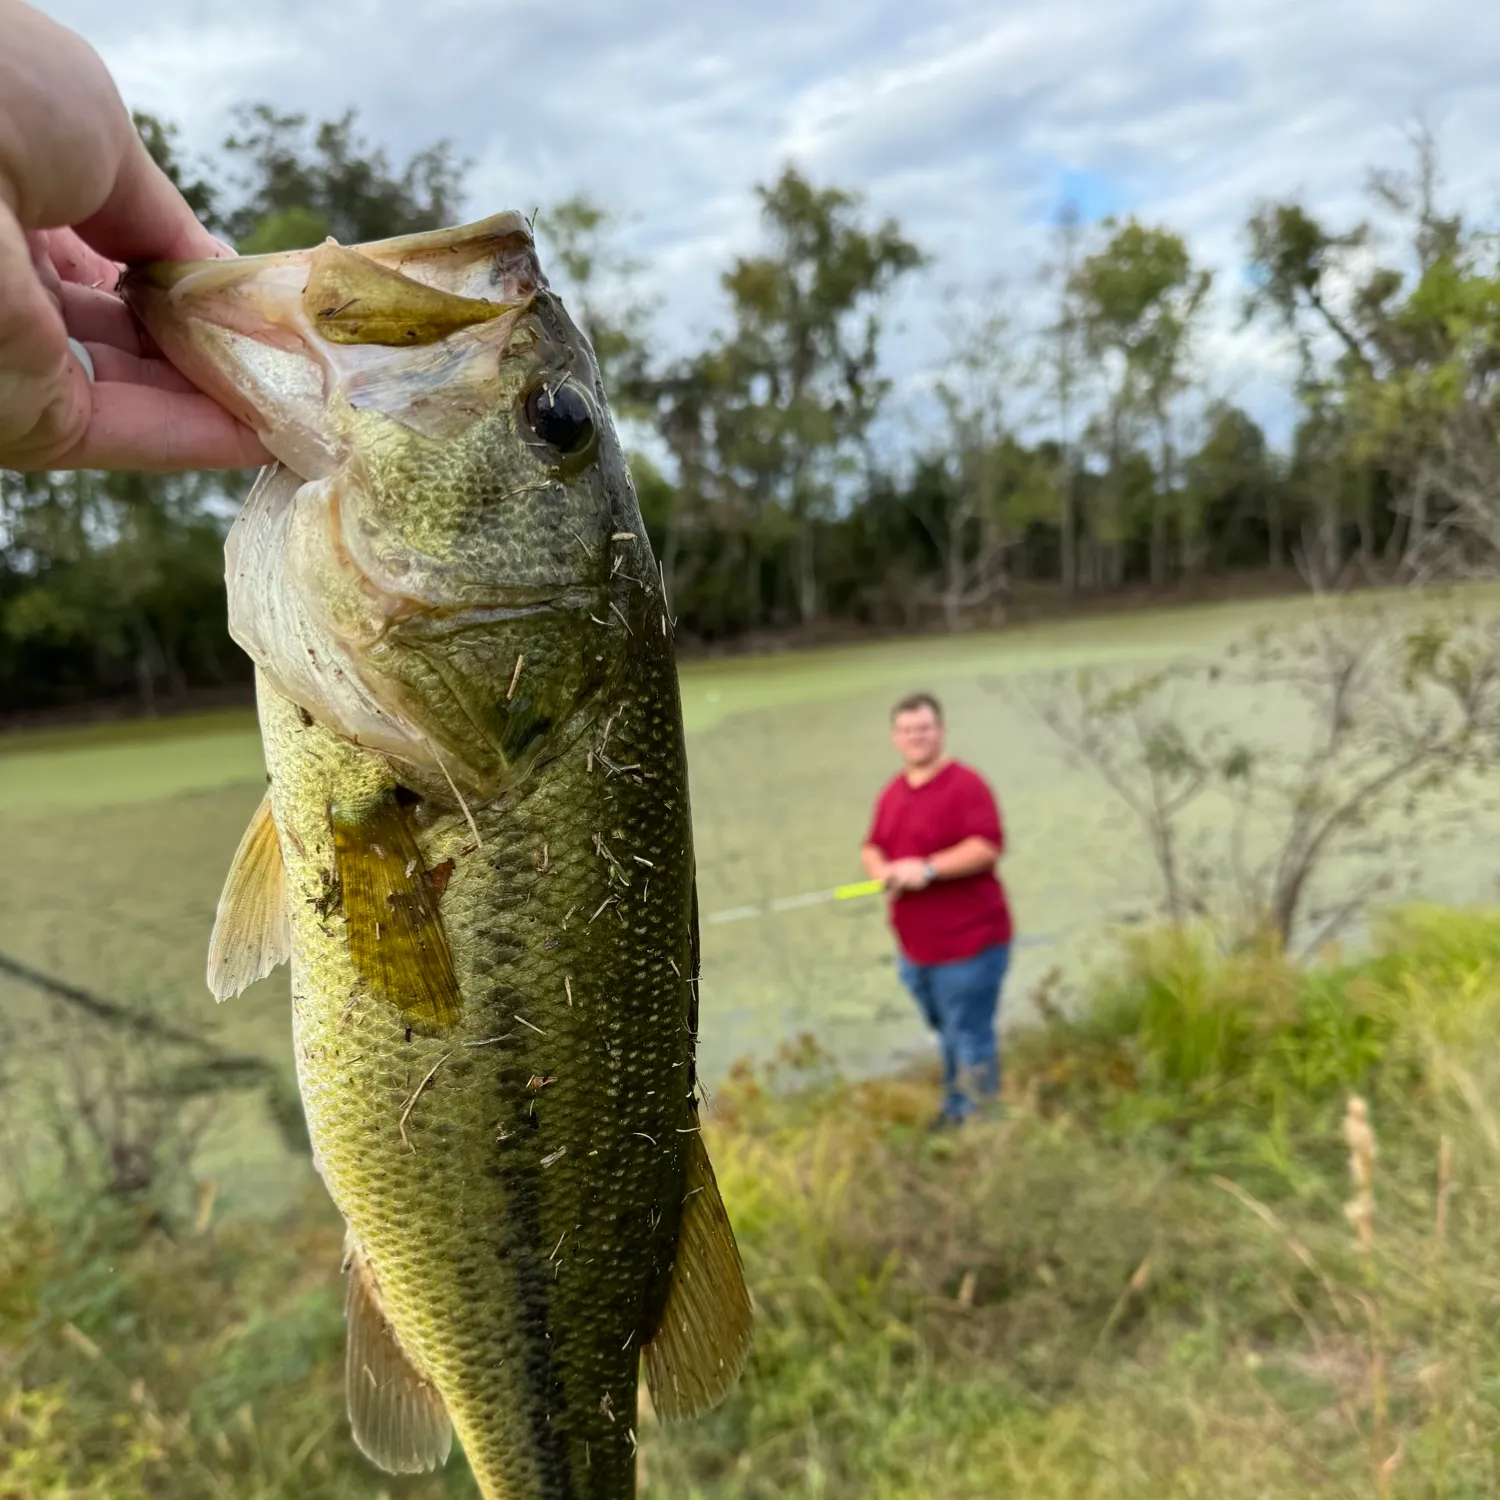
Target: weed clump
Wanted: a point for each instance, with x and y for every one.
(1236, 1234)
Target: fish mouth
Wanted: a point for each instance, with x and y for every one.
(273, 337)
(462, 259)
(489, 260)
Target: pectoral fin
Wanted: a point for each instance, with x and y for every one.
(396, 936)
(397, 1419)
(699, 1347)
(251, 932)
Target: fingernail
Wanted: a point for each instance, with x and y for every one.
(228, 250)
(83, 357)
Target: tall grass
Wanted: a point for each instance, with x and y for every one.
(1146, 1280)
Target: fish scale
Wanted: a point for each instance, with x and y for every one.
(498, 1207)
(475, 851)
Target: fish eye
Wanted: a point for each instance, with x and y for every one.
(561, 418)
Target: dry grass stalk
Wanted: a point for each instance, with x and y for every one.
(1294, 1246)
(1444, 1191)
(1359, 1135)
(1360, 1210)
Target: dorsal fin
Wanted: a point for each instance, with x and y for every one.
(699, 1347)
(396, 936)
(251, 931)
(397, 1419)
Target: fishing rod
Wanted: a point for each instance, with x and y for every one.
(851, 892)
(793, 903)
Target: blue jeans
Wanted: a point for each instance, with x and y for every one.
(960, 1002)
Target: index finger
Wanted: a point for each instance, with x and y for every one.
(143, 427)
(146, 218)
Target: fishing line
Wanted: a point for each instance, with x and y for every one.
(836, 893)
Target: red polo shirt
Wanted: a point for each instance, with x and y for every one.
(950, 919)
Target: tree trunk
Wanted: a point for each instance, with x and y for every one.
(1417, 537)
(1068, 525)
(1395, 543)
(176, 677)
(994, 559)
(1193, 545)
(1162, 494)
(145, 668)
(1366, 519)
(1276, 532)
(1329, 562)
(752, 583)
(807, 575)
(953, 572)
(1216, 553)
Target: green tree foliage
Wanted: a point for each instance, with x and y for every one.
(1234, 487)
(161, 138)
(1141, 299)
(993, 487)
(798, 378)
(300, 183)
(789, 481)
(110, 583)
(601, 290)
(1397, 318)
(1060, 370)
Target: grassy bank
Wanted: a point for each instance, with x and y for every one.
(1144, 1280)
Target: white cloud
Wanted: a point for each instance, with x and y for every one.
(964, 119)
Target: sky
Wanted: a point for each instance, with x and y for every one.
(971, 122)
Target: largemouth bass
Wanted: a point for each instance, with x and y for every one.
(475, 849)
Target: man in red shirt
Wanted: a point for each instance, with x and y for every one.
(935, 840)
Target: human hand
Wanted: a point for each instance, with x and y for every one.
(907, 875)
(79, 197)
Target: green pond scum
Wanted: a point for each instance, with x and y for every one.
(475, 850)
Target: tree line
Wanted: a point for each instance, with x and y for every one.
(1074, 441)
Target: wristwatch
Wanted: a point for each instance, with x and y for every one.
(931, 870)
